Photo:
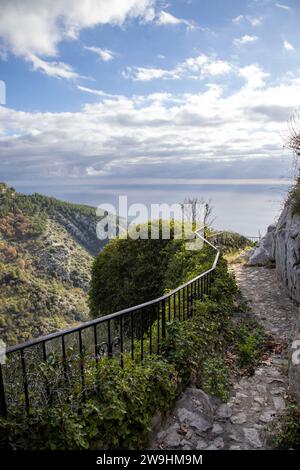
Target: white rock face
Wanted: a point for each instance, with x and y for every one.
(265, 251)
(282, 245)
(287, 251)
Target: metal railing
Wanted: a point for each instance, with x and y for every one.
(254, 239)
(136, 331)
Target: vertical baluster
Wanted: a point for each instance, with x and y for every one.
(96, 352)
(169, 307)
(142, 335)
(194, 296)
(179, 300)
(150, 331)
(96, 344)
(132, 335)
(163, 319)
(109, 343)
(202, 289)
(3, 409)
(25, 381)
(186, 298)
(183, 301)
(63, 347)
(174, 306)
(48, 394)
(121, 343)
(158, 327)
(81, 359)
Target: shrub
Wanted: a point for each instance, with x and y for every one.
(128, 272)
(294, 198)
(120, 403)
(117, 413)
(215, 377)
(249, 339)
(288, 434)
(197, 346)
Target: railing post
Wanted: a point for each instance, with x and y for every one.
(25, 381)
(2, 396)
(158, 326)
(48, 394)
(142, 335)
(109, 345)
(163, 319)
(121, 343)
(132, 335)
(81, 354)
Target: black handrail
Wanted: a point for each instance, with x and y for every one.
(173, 303)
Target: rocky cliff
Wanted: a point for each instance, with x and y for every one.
(281, 245)
(46, 253)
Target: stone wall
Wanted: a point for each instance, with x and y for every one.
(287, 251)
(281, 245)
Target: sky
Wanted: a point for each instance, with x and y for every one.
(146, 96)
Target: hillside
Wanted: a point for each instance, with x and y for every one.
(46, 252)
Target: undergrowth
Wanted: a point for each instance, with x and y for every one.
(286, 431)
(120, 403)
(249, 343)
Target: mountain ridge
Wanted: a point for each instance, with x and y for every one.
(46, 253)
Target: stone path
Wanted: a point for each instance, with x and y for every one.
(201, 422)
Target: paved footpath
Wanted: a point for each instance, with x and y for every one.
(201, 422)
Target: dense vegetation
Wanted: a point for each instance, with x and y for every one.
(120, 403)
(286, 431)
(45, 263)
(31, 205)
(128, 272)
(294, 197)
(230, 241)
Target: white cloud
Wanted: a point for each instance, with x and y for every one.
(238, 19)
(138, 136)
(254, 21)
(246, 39)
(283, 7)
(165, 18)
(254, 76)
(146, 74)
(3, 53)
(217, 67)
(100, 93)
(34, 29)
(105, 54)
(197, 67)
(288, 46)
(53, 69)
